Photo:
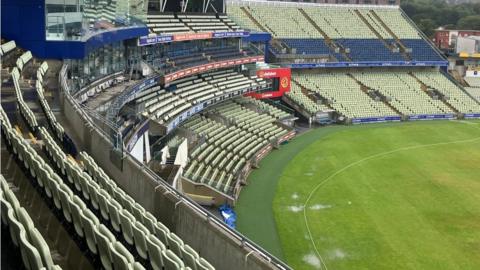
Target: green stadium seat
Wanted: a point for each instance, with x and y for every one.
(202, 264)
(126, 223)
(122, 258)
(104, 239)
(92, 192)
(77, 206)
(65, 195)
(14, 226)
(39, 243)
(140, 233)
(155, 248)
(114, 209)
(103, 198)
(30, 255)
(89, 224)
(175, 244)
(171, 261)
(162, 232)
(190, 256)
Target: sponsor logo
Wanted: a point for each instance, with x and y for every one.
(263, 74)
(284, 81)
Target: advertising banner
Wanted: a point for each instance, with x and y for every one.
(191, 36)
(376, 119)
(369, 64)
(138, 133)
(283, 75)
(235, 34)
(203, 68)
(150, 40)
(472, 115)
(431, 116)
(144, 41)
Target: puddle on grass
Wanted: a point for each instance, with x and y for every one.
(336, 254)
(312, 260)
(299, 208)
(320, 206)
(296, 208)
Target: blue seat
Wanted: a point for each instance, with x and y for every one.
(421, 50)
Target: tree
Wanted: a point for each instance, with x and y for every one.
(427, 26)
(431, 14)
(469, 23)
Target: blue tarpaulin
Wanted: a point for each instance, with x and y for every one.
(229, 216)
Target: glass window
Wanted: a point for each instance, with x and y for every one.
(79, 19)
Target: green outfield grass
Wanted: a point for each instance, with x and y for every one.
(387, 196)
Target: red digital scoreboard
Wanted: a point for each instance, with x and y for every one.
(281, 80)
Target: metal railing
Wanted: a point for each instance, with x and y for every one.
(127, 94)
(245, 242)
(107, 129)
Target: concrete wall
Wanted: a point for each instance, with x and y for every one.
(222, 248)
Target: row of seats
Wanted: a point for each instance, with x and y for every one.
(364, 50)
(363, 94)
(405, 92)
(126, 217)
(343, 94)
(99, 86)
(72, 207)
(338, 22)
(35, 255)
(250, 120)
(163, 106)
(25, 111)
(150, 236)
(457, 97)
(474, 92)
(23, 60)
(296, 96)
(175, 61)
(34, 249)
(113, 254)
(207, 23)
(165, 24)
(171, 23)
(7, 47)
(344, 26)
(228, 149)
(99, 239)
(473, 81)
(422, 50)
(269, 109)
(212, 163)
(52, 120)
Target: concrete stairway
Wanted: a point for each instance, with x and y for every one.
(327, 39)
(377, 34)
(403, 48)
(425, 88)
(366, 90)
